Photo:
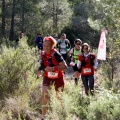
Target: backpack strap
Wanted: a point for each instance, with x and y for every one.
(91, 60)
(53, 53)
(59, 42)
(83, 61)
(43, 53)
(43, 57)
(66, 41)
(50, 59)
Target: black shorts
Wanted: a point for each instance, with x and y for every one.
(75, 68)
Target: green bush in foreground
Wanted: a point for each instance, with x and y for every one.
(71, 104)
(16, 67)
(105, 107)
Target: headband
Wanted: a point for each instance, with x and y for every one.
(49, 39)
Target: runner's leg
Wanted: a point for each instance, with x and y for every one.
(85, 83)
(91, 84)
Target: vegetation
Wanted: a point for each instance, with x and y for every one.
(20, 90)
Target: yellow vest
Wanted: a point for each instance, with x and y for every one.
(75, 54)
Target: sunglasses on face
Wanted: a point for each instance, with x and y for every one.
(77, 43)
(85, 48)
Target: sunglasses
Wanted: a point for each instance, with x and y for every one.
(85, 48)
(77, 43)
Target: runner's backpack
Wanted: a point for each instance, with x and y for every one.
(91, 60)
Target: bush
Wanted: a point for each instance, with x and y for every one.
(105, 107)
(17, 66)
(71, 104)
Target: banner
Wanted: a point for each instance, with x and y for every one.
(102, 46)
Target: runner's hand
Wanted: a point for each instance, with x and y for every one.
(79, 67)
(39, 74)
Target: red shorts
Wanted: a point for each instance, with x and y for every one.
(58, 83)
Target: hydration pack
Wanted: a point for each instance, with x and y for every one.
(91, 61)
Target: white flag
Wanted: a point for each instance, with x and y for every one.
(102, 46)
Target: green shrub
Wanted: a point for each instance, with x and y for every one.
(105, 107)
(18, 69)
(72, 104)
(17, 66)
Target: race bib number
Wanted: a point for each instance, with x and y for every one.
(63, 45)
(52, 75)
(86, 70)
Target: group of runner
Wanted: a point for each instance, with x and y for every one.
(53, 63)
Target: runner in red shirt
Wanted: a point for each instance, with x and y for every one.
(88, 64)
(53, 65)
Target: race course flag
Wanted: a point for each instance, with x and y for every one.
(102, 46)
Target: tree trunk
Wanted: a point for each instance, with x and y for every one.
(11, 36)
(23, 18)
(55, 16)
(3, 19)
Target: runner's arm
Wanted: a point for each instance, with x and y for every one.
(79, 62)
(95, 64)
(70, 52)
(62, 64)
(42, 67)
(69, 45)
